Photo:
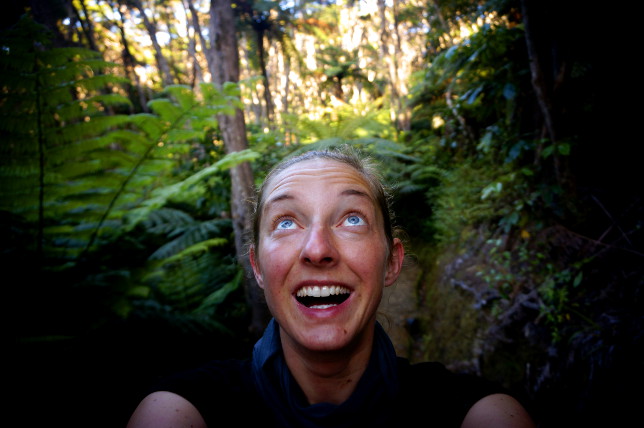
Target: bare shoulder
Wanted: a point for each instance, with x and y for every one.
(499, 411)
(165, 409)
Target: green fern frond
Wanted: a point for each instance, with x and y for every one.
(182, 95)
(96, 105)
(231, 90)
(166, 220)
(86, 130)
(217, 297)
(227, 98)
(348, 128)
(162, 195)
(150, 125)
(60, 57)
(190, 251)
(166, 109)
(233, 159)
(184, 135)
(184, 282)
(99, 82)
(318, 130)
(100, 171)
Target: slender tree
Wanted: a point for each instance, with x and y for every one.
(137, 93)
(540, 82)
(86, 24)
(260, 22)
(150, 26)
(269, 24)
(391, 53)
(225, 68)
(196, 75)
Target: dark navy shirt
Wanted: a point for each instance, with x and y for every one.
(429, 395)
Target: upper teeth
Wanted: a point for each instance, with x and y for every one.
(324, 291)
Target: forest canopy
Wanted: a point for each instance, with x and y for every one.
(134, 132)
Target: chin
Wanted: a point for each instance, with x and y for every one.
(327, 339)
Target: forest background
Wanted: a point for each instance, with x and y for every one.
(133, 131)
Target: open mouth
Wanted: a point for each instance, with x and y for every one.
(317, 297)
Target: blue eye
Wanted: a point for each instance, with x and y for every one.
(286, 224)
(354, 220)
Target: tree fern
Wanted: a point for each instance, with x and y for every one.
(185, 279)
(184, 230)
(76, 182)
(194, 260)
(350, 123)
(158, 142)
(51, 122)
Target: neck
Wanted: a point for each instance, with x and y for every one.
(329, 376)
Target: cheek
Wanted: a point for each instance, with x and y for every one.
(275, 264)
(369, 261)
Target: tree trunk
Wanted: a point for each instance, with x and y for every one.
(261, 54)
(205, 47)
(403, 114)
(86, 24)
(385, 40)
(390, 51)
(539, 84)
(162, 62)
(287, 84)
(444, 26)
(196, 74)
(225, 68)
(255, 108)
(129, 62)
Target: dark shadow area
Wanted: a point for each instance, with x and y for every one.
(98, 380)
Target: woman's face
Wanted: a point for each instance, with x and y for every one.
(322, 257)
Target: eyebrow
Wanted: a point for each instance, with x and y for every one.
(356, 192)
(287, 196)
(278, 198)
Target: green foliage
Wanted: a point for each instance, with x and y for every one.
(494, 175)
(123, 210)
(267, 19)
(474, 89)
(347, 123)
(56, 140)
(339, 67)
(182, 119)
(460, 205)
(528, 265)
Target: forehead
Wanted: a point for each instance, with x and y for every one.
(320, 172)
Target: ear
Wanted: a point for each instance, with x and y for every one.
(256, 271)
(395, 262)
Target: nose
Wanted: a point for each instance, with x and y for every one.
(319, 248)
